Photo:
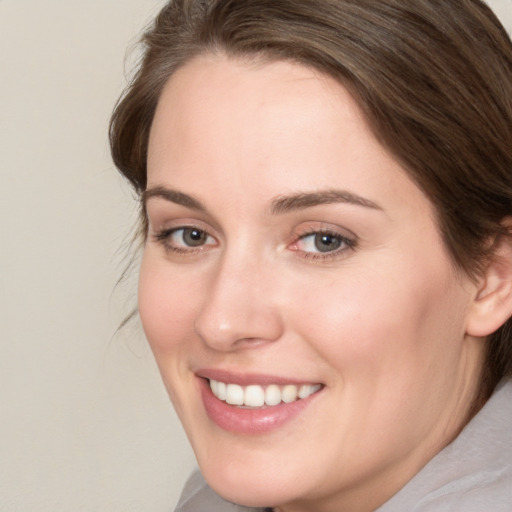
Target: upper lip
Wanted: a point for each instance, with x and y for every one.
(246, 379)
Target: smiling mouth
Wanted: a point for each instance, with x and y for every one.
(255, 396)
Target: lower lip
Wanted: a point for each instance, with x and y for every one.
(250, 421)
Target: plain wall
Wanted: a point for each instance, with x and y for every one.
(85, 424)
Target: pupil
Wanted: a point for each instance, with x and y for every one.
(326, 243)
(194, 237)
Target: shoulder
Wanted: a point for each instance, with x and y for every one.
(473, 473)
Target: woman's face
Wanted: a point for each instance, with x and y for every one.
(289, 254)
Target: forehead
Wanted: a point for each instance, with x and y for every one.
(222, 122)
(249, 101)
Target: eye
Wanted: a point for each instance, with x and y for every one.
(184, 239)
(322, 244)
(189, 237)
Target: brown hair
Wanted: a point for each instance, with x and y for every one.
(433, 77)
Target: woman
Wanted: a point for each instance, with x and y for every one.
(326, 282)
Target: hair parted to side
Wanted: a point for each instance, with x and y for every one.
(433, 78)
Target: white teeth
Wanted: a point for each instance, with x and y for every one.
(307, 389)
(221, 391)
(272, 395)
(234, 394)
(289, 394)
(254, 396)
(257, 396)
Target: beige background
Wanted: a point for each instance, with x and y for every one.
(85, 424)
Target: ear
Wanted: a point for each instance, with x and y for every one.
(492, 306)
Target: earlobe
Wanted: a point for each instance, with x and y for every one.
(492, 305)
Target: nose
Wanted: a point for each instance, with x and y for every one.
(240, 307)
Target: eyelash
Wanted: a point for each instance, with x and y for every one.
(346, 243)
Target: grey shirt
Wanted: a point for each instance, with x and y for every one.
(472, 474)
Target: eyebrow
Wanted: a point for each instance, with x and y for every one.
(284, 204)
(278, 206)
(173, 196)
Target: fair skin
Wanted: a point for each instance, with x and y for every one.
(287, 246)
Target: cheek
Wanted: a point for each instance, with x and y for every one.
(166, 307)
(366, 322)
(167, 311)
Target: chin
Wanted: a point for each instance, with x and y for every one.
(250, 489)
